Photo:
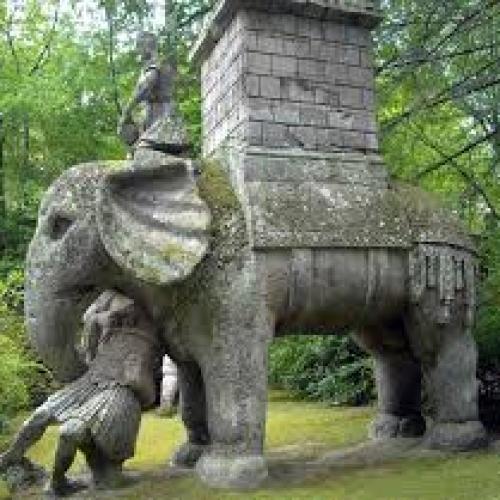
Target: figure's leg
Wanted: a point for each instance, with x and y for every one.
(31, 431)
(439, 327)
(106, 473)
(194, 415)
(398, 378)
(235, 372)
(71, 435)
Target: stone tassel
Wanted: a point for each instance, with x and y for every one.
(446, 285)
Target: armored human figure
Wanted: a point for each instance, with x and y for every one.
(162, 129)
(100, 412)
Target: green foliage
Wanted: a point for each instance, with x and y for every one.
(12, 290)
(329, 369)
(487, 331)
(15, 367)
(438, 99)
(24, 383)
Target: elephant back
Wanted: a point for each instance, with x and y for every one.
(341, 200)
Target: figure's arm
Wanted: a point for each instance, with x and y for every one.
(139, 377)
(91, 338)
(148, 80)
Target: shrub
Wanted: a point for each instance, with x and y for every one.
(24, 382)
(13, 370)
(487, 331)
(329, 369)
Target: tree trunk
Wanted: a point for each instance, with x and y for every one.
(2, 172)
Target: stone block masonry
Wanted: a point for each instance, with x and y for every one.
(279, 78)
(288, 105)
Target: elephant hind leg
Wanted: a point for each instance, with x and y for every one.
(449, 371)
(398, 378)
(439, 323)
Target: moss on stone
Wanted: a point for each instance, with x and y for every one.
(215, 188)
(115, 165)
(174, 252)
(228, 239)
(430, 219)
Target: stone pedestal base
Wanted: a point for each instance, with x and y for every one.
(387, 426)
(243, 472)
(456, 436)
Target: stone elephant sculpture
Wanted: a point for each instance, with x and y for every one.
(217, 303)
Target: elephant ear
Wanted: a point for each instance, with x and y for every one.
(152, 220)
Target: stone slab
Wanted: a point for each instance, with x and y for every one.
(299, 199)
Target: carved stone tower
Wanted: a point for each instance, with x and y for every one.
(288, 97)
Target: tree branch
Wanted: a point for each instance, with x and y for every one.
(429, 58)
(112, 66)
(445, 95)
(438, 28)
(195, 16)
(466, 19)
(10, 42)
(469, 178)
(430, 54)
(40, 60)
(449, 159)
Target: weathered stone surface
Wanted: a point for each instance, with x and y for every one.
(23, 475)
(392, 426)
(100, 412)
(457, 436)
(219, 314)
(160, 230)
(289, 60)
(295, 18)
(335, 200)
(162, 127)
(229, 472)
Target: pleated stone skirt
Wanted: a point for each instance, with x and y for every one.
(109, 412)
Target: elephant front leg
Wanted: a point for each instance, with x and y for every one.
(194, 415)
(235, 373)
(237, 397)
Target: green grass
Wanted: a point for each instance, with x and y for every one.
(299, 432)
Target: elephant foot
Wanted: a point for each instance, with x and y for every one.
(188, 454)
(456, 436)
(386, 426)
(223, 471)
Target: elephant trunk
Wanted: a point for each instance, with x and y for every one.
(53, 323)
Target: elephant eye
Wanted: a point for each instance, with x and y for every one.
(58, 226)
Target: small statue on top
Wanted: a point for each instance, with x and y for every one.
(162, 128)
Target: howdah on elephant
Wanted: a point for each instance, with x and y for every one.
(179, 245)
